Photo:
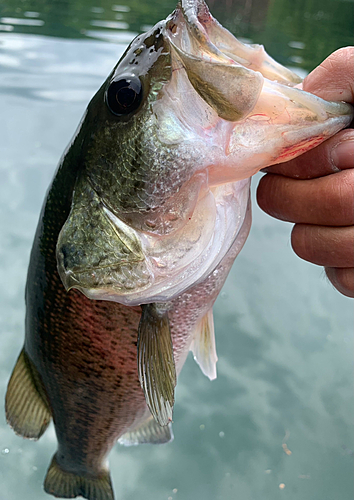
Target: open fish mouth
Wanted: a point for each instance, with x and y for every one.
(273, 121)
(147, 223)
(196, 32)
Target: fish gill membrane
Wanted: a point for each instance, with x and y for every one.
(149, 207)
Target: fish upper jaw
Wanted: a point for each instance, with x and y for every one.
(211, 37)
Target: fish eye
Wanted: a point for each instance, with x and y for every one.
(124, 95)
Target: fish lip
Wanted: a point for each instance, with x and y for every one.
(183, 25)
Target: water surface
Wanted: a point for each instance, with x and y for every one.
(277, 422)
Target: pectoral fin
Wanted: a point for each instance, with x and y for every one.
(149, 432)
(26, 410)
(203, 345)
(156, 367)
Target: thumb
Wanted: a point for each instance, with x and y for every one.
(333, 79)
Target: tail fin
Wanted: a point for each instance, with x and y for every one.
(63, 484)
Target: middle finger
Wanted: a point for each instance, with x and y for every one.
(323, 201)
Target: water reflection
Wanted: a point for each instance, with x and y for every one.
(316, 28)
(15, 21)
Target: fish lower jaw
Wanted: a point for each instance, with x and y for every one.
(254, 145)
(301, 140)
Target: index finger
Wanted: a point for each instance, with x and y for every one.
(333, 79)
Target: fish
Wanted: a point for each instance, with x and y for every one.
(147, 211)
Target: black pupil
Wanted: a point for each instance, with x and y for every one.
(124, 95)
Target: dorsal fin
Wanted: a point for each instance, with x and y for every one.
(148, 432)
(26, 410)
(203, 345)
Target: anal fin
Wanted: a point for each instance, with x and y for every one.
(203, 345)
(64, 484)
(26, 411)
(156, 367)
(149, 432)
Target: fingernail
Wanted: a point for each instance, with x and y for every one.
(343, 154)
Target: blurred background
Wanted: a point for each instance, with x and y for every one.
(277, 423)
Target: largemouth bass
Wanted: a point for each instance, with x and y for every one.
(147, 211)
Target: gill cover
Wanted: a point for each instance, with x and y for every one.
(93, 240)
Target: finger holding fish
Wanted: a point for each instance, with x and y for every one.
(324, 201)
(316, 190)
(332, 80)
(324, 245)
(342, 279)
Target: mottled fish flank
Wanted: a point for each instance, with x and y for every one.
(146, 213)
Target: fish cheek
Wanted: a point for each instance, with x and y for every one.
(95, 252)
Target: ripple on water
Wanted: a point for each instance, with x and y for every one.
(22, 22)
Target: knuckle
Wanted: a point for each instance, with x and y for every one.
(336, 198)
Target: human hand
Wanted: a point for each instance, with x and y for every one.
(316, 190)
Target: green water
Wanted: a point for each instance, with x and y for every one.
(278, 421)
